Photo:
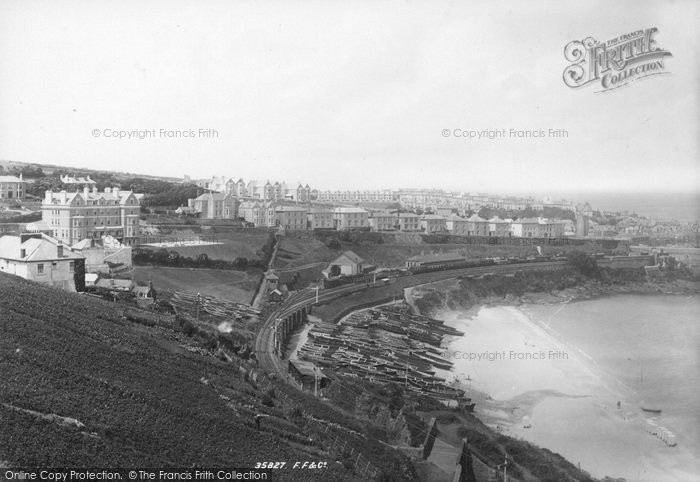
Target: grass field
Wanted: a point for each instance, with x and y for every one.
(311, 256)
(230, 285)
(294, 252)
(393, 255)
(234, 245)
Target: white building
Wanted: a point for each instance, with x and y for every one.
(350, 218)
(41, 258)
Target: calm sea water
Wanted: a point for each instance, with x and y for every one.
(683, 207)
(648, 344)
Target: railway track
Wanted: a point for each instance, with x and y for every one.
(264, 343)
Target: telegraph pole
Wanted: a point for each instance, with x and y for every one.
(315, 380)
(199, 300)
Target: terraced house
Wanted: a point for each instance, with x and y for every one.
(382, 221)
(320, 219)
(291, 217)
(432, 223)
(347, 218)
(92, 214)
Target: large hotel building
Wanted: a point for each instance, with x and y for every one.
(73, 216)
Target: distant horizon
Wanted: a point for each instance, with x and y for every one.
(654, 204)
(555, 194)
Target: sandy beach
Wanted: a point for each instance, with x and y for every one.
(529, 383)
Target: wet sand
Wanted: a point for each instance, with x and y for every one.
(531, 384)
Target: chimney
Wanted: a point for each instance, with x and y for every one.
(94, 189)
(22, 253)
(86, 190)
(108, 190)
(59, 250)
(25, 236)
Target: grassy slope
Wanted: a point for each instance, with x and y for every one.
(300, 249)
(234, 245)
(141, 395)
(230, 285)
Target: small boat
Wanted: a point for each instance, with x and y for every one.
(651, 410)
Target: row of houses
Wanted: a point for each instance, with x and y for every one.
(254, 190)
(281, 191)
(297, 217)
(436, 198)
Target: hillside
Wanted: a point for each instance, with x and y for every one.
(81, 385)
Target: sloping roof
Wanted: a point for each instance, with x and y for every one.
(36, 249)
(349, 210)
(349, 256)
(11, 179)
(527, 221)
(212, 196)
(82, 244)
(37, 226)
(475, 218)
(290, 209)
(306, 368)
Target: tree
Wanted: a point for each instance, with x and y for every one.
(335, 270)
(333, 242)
(583, 263)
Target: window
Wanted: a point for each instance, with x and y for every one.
(54, 266)
(71, 266)
(40, 268)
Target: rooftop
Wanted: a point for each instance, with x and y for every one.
(38, 247)
(11, 179)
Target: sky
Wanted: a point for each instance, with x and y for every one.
(349, 95)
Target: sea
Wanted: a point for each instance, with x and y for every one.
(679, 206)
(642, 351)
(649, 344)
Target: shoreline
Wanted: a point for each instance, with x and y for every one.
(595, 400)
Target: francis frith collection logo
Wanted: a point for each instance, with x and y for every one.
(616, 62)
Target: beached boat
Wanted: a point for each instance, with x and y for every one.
(652, 410)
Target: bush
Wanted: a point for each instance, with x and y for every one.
(583, 263)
